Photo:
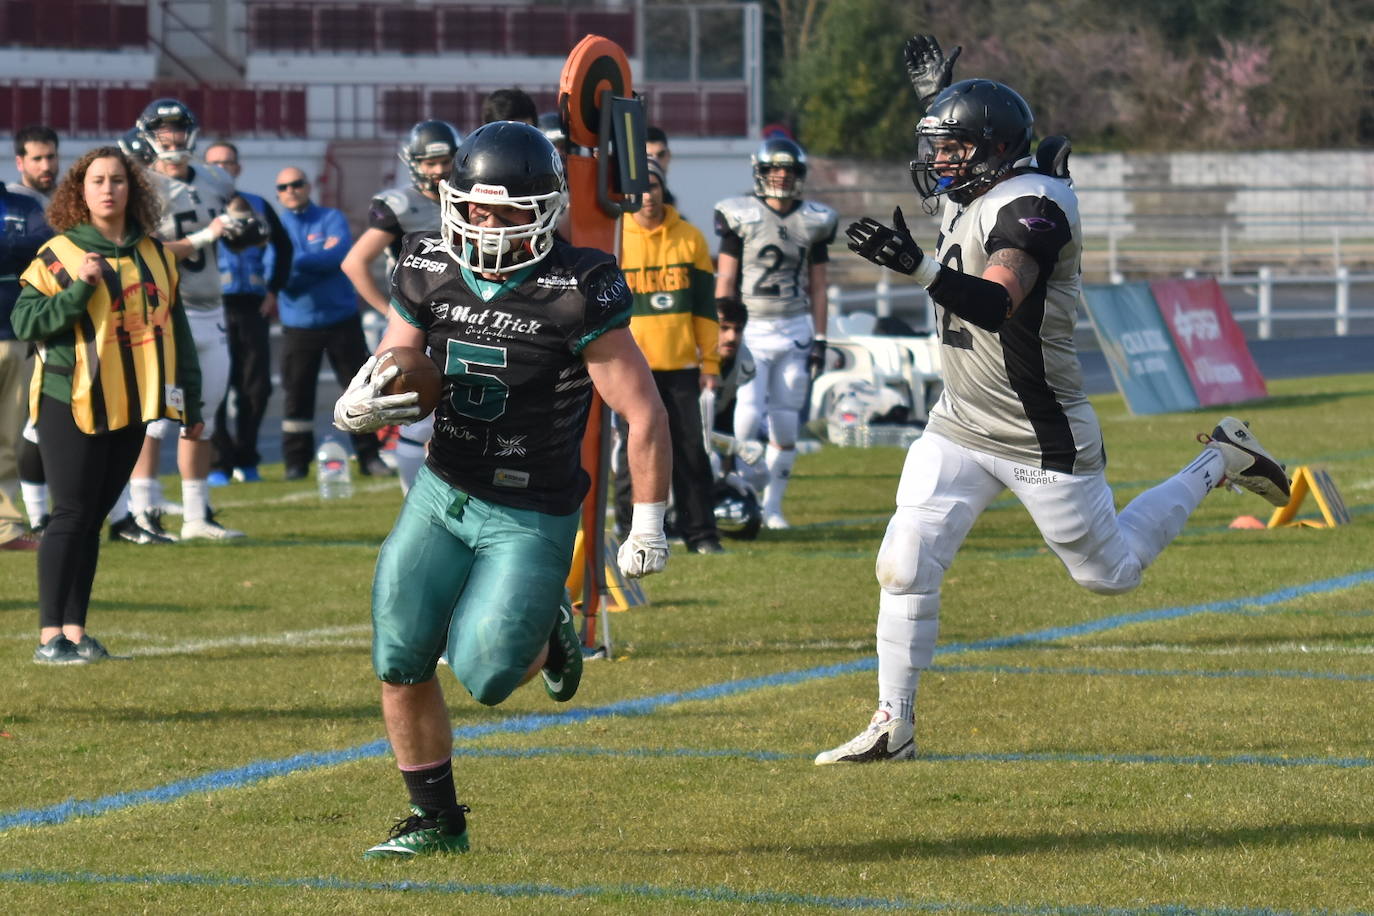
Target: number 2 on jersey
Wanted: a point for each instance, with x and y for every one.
(774, 261)
(478, 395)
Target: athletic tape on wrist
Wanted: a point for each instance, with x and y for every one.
(647, 519)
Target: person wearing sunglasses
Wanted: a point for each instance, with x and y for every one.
(319, 316)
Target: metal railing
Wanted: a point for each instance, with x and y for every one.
(885, 299)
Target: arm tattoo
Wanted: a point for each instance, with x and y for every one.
(1020, 264)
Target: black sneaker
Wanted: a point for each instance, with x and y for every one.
(709, 545)
(128, 529)
(42, 524)
(150, 520)
(91, 649)
(58, 651)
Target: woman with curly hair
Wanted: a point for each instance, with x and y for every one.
(115, 352)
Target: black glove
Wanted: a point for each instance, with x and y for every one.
(815, 360)
(930, 70)
(891, 248)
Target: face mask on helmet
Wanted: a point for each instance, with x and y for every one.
(779, 169)
(432, 143)
(506, 164)
(971, 137)
(737, 511)
(169, 117)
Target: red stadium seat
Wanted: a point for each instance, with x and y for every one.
(475, 29)
(727, 114)
(676, 111)
(409, 31)
(618, 27)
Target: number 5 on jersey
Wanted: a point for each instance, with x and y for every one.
(477, 395)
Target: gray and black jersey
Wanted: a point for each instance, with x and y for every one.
(775, 251)
(189, 205)
(516, 392)
(1018, 393)
(399, 212)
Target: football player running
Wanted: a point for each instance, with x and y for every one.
(523, 326)
(774, 246)
(1005, 281)
(427, 152)
(194, 197)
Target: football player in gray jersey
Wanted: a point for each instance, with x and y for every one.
(393, 214)
(1013, 416)
(193, 199)
(774, 246)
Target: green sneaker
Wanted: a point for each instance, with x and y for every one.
(91, 649)
(423, 835)
(563, 669)
(59, 651)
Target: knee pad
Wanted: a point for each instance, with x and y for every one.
(163, 429)
(914, 554)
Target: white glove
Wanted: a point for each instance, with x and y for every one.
(364, 409)
(645, 551)
(748, 450)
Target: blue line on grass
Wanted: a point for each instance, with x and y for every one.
(1151, 672)
(258, 771)
(693, 894)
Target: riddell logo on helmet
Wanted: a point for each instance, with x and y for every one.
(491, 190)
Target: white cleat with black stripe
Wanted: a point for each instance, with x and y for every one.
(885, 738)
(1248, 465)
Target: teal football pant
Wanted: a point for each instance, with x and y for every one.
(479, 581)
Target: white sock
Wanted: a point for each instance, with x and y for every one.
(779, 462)
(1154, 518)
(409, 459)
(144, 494)
(121, 506)
(899, 707)
(35, 501)
(195, 499)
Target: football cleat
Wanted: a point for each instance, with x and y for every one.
(562, 670)
(885, 738)
(423, 834)
(150, 520)
(775, 522)
(208, 529)
(1248, 465)
(128, 529)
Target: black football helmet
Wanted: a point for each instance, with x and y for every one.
(169, 113)
(132, 144)
(779, 152)
(428, 140)
(993, 124)
(737, 510)
(512, 164)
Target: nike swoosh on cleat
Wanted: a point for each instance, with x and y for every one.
(555, 684)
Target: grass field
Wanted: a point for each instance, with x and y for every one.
(1201, 744)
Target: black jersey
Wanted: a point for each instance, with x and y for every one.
(516, 391)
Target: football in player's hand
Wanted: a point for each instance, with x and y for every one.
(418, 373)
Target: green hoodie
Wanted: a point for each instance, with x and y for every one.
(52, 320)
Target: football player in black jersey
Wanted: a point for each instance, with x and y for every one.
(522, 326)
(1013, 415)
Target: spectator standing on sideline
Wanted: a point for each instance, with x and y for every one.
(394, 213)
(35, 156)
(510, 105)
(774, 247)
(667, 265)
(319, 317)
(251, 276)
(524, 327)
(109, 367)
(193, 197)
(656, 147)
(1006, 282)
(22, 230)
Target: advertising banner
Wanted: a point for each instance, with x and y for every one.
(1209, 341)
(1139, 348)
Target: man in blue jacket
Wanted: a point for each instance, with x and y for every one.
(22, 230)
(251, 276)
(319, 316)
